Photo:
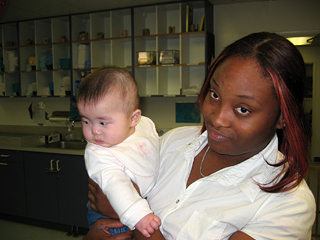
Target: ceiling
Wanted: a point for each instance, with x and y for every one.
(16, 10)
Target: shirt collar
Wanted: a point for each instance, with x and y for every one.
(246, 175)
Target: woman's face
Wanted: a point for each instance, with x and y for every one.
(241, 112)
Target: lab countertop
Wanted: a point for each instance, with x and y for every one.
(41, 148)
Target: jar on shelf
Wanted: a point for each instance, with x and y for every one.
(100, 35)
(83, 36)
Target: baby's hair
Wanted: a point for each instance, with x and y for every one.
(109, 80)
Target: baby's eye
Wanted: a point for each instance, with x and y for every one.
(242, 110)
(103, 123)
(85, 122)
(213, 94)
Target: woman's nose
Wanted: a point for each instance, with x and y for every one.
(221, 117)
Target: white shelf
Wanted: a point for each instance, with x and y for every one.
(60, 38)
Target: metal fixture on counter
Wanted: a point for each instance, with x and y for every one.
(61, 119)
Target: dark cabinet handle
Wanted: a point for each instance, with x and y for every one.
(57, 166)
(51, 167)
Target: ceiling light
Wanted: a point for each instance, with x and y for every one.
(300, 40)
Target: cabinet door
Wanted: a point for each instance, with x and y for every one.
(72, 187)
(12, 188)
(41, 187)
(59, 195)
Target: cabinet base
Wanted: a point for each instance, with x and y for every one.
(43, 224)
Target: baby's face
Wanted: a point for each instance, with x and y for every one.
(105, 123)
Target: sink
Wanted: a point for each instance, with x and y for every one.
(77, 145)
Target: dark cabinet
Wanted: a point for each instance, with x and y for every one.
(12, 187)
(56, 188)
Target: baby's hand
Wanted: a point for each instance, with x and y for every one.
(148, 224)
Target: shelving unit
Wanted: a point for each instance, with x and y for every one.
(186, 77)
(43, 40)
(109, 37)
(9, 73)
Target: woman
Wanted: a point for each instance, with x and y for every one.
(234, 178)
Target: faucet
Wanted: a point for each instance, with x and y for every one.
(70, 128)
(72, 120)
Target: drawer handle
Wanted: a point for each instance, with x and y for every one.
(4, 156)
(51, 167)
(3, 164)
(57, 166)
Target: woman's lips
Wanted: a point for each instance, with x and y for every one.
(216, 136)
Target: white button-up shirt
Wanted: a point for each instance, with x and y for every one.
(229, 200)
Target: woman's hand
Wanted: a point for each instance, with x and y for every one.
(100, 230)
(99, 202)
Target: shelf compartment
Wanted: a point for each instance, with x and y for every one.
(10, 79)
(121, 52)
(25, 53)
(62, 88)
(145, 17)
(27, 33)
(168, 15)
(80, 23)
(120, 20)
(80, 54)
(100, 22)
(166, 42)
(27, 78)
(42, 54)
(192, 48)
(43, 31)
(145, 44)
(169, 80)
(10, 35)
(60, 51)
(101, 50)
(60, 28)
(193, 77)
(146, 78)
(43, 79)
(198, 11)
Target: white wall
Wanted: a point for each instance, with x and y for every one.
(311, 54)
(285, 17)
(162, 110)
(14, 111)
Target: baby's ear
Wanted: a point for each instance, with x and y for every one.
(135, 117)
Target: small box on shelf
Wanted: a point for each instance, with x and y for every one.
(169, 56)
(147, 57)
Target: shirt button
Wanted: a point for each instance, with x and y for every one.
(177, 201)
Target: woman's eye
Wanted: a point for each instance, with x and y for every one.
(242, 110)
(213, 94)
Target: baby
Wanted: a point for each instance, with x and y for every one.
(123, 146)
